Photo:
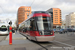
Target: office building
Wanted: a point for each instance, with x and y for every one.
(70, 19)
(56, 16)
(23, 12)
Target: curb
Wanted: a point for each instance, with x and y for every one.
(17, 38)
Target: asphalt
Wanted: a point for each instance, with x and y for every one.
(19, 42)
(15, 37)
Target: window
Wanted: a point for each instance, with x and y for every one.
(55, 10)
(27, 14)
(22, 8)
(28, 11)
(32, 24)
(25, 24)
(56, 18)
(44, 23)
(56, 14)
(3, 29)
(27, 8)
(28, 25)
(21, 13)
(56, 22)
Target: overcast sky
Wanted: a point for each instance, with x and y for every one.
(8, 8)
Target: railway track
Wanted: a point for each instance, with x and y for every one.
(54, 45)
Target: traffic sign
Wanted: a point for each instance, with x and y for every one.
(10, 23)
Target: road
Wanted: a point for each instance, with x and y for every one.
(2, 37)
(61, 42)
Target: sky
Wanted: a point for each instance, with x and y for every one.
(9, 8)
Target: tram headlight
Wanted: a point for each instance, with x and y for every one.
(51, 33)
(40, 33)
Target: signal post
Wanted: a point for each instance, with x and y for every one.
(10, 33)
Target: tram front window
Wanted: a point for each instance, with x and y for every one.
(44, 23)
(3, 29)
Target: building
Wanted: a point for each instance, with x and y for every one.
(23, 12)
(63, 24)
(56, 16)
(70, 19)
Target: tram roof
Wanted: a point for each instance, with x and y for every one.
(38, 14)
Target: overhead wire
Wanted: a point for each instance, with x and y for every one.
(32, 3)
(2, 9)
(39, 3)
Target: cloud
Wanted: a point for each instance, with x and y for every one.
(6, 18)
(66, 6)
(9, 8)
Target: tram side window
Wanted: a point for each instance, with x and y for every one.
(25, 25)
(32, 25)
(28, 25)
(51, 23)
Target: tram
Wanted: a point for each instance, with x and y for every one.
(38, 27)
(4, 30)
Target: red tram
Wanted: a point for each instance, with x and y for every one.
(38, 27)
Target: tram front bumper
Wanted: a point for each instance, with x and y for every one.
(45, 38)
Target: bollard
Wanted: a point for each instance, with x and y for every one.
(10, 35)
